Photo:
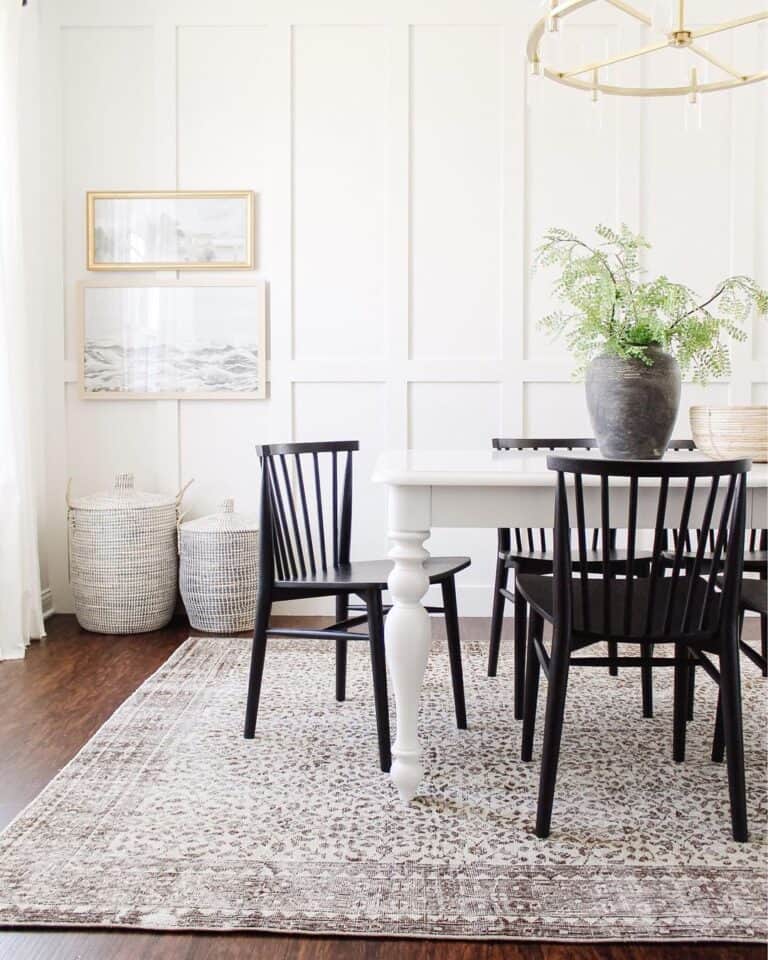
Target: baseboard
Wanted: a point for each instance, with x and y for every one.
(46, 600)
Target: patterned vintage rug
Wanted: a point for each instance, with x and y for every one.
(168, 819)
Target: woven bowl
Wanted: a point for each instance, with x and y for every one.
(724, 432)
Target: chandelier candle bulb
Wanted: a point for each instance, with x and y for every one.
(553, 24)
(692, 96)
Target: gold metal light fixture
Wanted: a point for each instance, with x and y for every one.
(676, 33)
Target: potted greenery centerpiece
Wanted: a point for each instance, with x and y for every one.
(634, 337)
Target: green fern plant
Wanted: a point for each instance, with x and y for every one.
(611, 308)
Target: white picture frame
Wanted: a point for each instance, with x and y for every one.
(170, 230)
(192, 339)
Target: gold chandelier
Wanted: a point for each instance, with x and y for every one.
(676, 33)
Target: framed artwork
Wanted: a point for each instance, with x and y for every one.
(176, 339)
(187, 230)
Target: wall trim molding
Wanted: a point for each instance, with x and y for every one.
(46, 600)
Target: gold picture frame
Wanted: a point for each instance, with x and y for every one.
(127, 338)
(204, 248)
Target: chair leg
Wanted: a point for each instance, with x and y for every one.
(531, 697)
(379, 671)
(646, 679)
(451, 615)
(680, 706)
(691, 688)
(733, 734)
(342, 612)
(258, 652)
(521, 616)
(718, 743)
(613, 652)
(497, 616)
(553, 729)
(764, 631)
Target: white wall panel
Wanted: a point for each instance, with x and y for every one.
(456, 138)
(556, 409)
(216, 449)
(573, 174)
(687, 208)
(341, 135)
(119, 436)
(220, 70)
(453, 416)
(107, 130)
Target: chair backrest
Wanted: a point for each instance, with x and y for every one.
(685, 604)
(756, 540)
(306, 507)
(526, 538)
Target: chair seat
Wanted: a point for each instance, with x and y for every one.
(754, 596)
(369, 574)
(540, 561)
(538, 591)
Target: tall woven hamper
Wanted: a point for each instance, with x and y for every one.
(219, 570)
(123, 559)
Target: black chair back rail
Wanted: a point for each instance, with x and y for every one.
(307, 507)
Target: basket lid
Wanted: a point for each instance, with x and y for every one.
(123, 495)
(225, 520)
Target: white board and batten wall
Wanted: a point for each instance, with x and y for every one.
(405, 167)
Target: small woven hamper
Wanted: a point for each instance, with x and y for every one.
(123, 561)
(219, 570)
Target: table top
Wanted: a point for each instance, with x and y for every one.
(496, 468)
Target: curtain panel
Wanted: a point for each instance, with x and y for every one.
(20, 602)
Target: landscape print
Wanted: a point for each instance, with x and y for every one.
(174, 341)
(170, 230)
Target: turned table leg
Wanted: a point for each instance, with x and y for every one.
(407, 634)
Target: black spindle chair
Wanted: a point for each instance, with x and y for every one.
(683, 608)
(304, 551)
(526, 550)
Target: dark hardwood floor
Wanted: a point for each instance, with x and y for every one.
(52, 702)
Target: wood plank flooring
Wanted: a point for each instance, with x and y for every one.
(52, 702)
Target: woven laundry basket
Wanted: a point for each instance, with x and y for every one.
(123, 559)
(219, 570)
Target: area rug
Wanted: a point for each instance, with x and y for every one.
(168, 819)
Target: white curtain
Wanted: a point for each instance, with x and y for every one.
(20, 604)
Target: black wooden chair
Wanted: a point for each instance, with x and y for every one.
(683, 608)
(304, 551)
(531, 552)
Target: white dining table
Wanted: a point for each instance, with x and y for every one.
(474, 488)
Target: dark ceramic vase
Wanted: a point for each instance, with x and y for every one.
(633, 407)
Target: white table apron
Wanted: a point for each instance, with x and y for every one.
(474, 489)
